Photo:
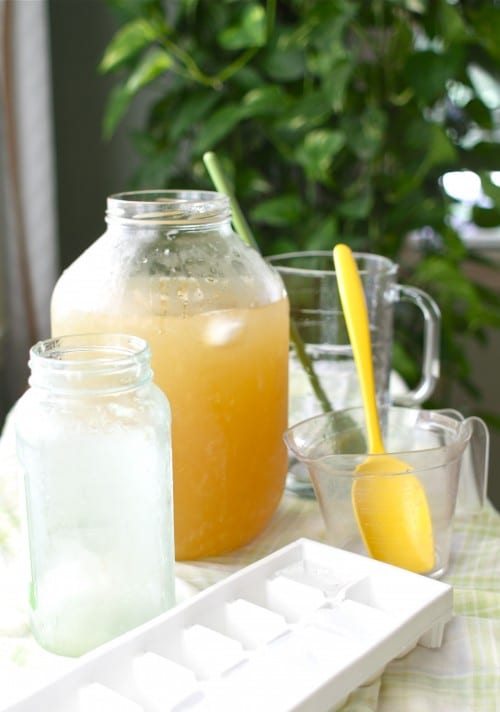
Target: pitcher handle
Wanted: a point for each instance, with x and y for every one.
(430, 355)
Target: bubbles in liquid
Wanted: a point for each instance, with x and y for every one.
(222, 330)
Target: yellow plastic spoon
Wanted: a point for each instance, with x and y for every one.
(392, 512)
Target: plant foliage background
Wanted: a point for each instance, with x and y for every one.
(335, 120)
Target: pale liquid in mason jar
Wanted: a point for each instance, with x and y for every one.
(225, 375)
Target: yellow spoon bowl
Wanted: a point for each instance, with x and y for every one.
(389, 502)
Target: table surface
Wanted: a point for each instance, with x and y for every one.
(462, 676)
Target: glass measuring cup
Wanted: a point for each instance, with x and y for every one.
(448, 454)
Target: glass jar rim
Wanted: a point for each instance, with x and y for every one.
(114, 361)
(168, 207)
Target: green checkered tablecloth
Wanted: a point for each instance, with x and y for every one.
(462, 676)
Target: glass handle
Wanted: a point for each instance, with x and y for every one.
(473, 481)
(431, 345)
(474, 463)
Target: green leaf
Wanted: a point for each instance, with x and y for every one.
(453, 288)
(479, 113)
(310, 110)
(335, 84)
(451, 24)
(441, 151)
(118, 103)
(249, 32)
(327, 25)
(365, 134)
(428, 72)
(220, 123)
(279, 211)
(359, 206)
(486, 23)
(190, 111)
(156, 169)
(144, 143)
(484, 156)
(318, 150)
(285, 61)
(323, 233)
(399, 46)
(267, 100)
(155, 62)
(285, 66)
(129, 40)
(455, 246)
(492, 190)
(486, 217)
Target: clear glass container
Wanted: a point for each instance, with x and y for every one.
(93, 439)
(170, 269)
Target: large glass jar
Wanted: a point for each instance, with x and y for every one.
(170, 269)
(93, 439)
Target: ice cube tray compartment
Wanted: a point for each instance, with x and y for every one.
(354, 621)
(297, 630)
(315, 573)
(254, 625)
(162, 683)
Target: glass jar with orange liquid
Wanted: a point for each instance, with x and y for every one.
(171, 270)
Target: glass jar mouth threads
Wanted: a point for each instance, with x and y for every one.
(94, 363)
(186, 208)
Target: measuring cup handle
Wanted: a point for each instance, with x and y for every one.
(474, 463)
(430, 355)
(474, 469)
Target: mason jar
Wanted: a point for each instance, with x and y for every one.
(93, 437)
(170, 269)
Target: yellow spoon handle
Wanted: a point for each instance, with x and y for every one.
(356, 315)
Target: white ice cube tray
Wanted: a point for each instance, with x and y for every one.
(298, 630)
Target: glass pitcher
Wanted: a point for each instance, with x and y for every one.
(170, 269)
(311, 283)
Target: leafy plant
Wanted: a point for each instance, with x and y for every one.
(336, 121)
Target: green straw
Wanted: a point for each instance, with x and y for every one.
(219, 179)
(242, 228)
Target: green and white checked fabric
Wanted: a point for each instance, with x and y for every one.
(462, 676)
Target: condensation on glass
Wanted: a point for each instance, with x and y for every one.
(93, 437)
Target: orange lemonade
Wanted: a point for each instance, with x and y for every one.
(225, 375)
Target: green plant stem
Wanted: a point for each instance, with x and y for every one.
(270, 18)
(235, 66)
(244, 231)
